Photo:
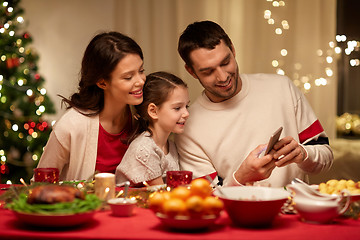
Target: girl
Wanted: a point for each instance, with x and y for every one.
(163, 111)
(92, 134)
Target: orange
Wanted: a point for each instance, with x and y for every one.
(213, 205)
(156, 201)
(174, 207)
(166, 195)
(200, 187)
(195, 205)
(180, 192)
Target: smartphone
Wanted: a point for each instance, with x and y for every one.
(273, 140)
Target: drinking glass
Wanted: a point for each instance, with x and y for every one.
(177, 178)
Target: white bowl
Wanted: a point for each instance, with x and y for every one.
(122, 207)
(249, 206)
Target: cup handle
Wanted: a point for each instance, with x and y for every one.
(345, 194)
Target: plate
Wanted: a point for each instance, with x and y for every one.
(154, 188)
(65, 220)
(187, 223)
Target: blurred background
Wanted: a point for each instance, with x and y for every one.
(314, 42)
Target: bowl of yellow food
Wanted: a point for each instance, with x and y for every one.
(336, 187)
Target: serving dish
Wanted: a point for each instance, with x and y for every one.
(353, 197)
(250, 206)
(187, 223)
(56, 220)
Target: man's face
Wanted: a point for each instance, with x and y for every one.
(217, 71)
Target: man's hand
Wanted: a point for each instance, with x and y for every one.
(287, 151)
(254, 168)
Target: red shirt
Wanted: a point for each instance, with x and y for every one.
(110, 149)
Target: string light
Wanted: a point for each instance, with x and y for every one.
(305, 82)
(351, 46)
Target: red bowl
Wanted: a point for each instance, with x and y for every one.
(249, 206)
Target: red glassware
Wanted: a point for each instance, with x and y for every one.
(177, 178)
(50, 175)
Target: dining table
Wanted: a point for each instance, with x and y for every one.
(144, 224)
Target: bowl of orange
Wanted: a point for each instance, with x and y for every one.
(187, 207)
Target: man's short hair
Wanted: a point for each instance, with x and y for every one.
(204, 34)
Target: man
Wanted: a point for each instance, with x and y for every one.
(237, 112)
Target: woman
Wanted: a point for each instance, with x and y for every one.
(92, 135)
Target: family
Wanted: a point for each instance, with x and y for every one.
(120, 119)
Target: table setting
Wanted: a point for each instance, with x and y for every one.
(184, 208)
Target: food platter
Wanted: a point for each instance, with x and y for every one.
(353, 197)
(59, 220)
(187, 223)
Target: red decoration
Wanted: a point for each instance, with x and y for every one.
(30, 126)
(12, 62)
(4, 169)
(26, 35)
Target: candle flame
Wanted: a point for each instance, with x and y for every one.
(23, 182)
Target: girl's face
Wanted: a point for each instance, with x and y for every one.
(126, 82)
(173, 113)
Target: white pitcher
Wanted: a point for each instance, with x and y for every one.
(317, 209)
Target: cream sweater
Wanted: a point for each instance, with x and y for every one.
(219, 136)
(72, 146)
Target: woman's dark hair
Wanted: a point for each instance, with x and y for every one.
(101, 57)
(205, 34)
(157, 89)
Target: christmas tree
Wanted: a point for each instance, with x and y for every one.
(23, 100)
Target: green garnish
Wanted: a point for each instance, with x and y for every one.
(90, 203)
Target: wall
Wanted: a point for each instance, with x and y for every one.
(62, 29)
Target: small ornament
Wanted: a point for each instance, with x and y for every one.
(12, 62)
(4, 169)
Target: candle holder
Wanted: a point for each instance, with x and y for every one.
(178, 178)
(50, 175)
(105, 186)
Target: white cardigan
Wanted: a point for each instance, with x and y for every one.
(72, 146)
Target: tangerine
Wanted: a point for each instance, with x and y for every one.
(200, 187)
(174, 207)
(195, 205)
(181, 192)
(213, 205)
(156, 201)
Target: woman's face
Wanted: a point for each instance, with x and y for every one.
(126, 82)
